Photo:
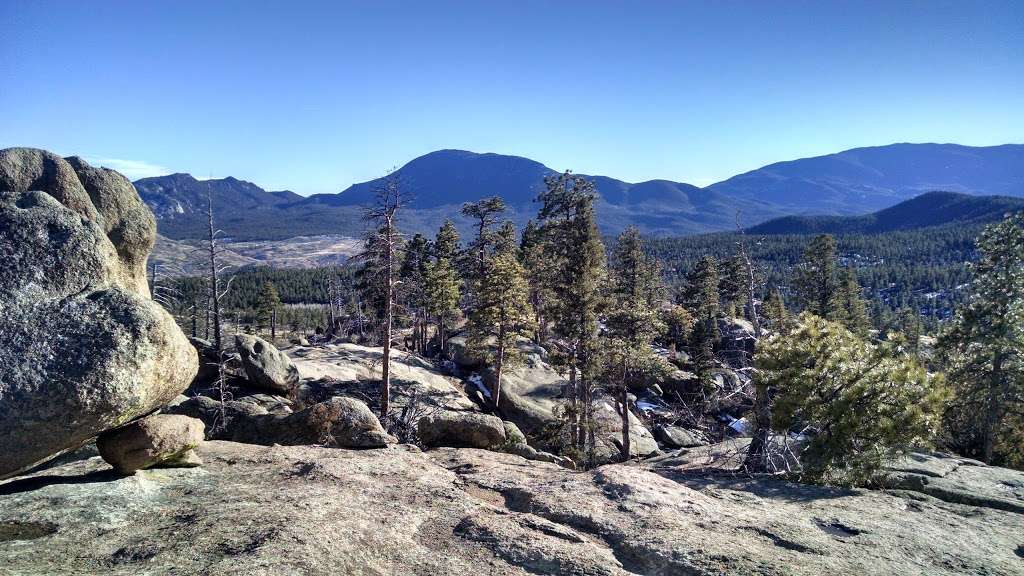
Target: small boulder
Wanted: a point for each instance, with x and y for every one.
(676, 437)
(461, 430)
(157, 440)
(266, 367)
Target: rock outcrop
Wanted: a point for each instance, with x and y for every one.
(83, 348)
(266, 367)
(532, 391)
(307, 510)
(157, 440)
(339, 422)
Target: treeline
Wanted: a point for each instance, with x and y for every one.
(924, 270)
(852, 387)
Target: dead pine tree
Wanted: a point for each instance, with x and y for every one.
(381, 260)
(758, 454)
(218, 289)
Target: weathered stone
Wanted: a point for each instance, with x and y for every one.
(461, 429)
(338, 422)
(82, 346)
(308, 510)
(330, 370)
(266, 367)
(160, 439)
(676, 437)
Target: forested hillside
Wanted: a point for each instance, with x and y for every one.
(930, 209)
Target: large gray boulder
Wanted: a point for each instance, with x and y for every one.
(339, 422)
(83, 348)
(159, 439)
(266, 367)
(676, 437)
(461, 430)
(532, 394)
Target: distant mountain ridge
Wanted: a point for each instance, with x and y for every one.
(851, 182)
(867, 179)
(927, 210)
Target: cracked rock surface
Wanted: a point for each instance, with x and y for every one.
(309, 510)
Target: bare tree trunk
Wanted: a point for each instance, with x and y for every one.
(498, 365)
(389, 294)
(624, 413)
(574, 427)
(757, 454)
(992, 410)
(214, 281)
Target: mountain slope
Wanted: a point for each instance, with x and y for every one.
(865, 179)
(930, 209)
(437, 184)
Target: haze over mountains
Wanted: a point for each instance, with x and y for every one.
(856, 181)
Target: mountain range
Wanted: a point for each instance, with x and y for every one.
(847, 183)
(923, 211)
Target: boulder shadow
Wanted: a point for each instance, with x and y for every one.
(19, 485)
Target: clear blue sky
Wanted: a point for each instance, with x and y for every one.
(313, 96)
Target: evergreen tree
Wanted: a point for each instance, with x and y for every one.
(485, 215)
(984, 349)
(413, 273)
(860, 404)
(732, 286)
(446, 243)
(911, 328)
(505, 238)
(774, 310)
(848, 306)
(442, 283)
(701, 296)
(539, 272)
(815, 281)
(379, 274)
(502, 312)
(632, 324)
(678, 328)
(269, 307)
(577, 258)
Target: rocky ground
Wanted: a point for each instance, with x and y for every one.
(309, 510)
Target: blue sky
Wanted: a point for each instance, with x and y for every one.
(313, 96)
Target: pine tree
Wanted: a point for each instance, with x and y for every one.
(775, 312)
(848, 306)
(910, 327)
(815, 281)
(701, 296)
(632, 324)
(413, 273)
(502, 312)
(485, 215)
(446, 243)
(442, 284)
(539, 272)
(269, 307)
(577, 259)
(732, 286)
(863, 404)
(984, 351)
(379, 274)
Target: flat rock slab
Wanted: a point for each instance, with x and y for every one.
(307, 510)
